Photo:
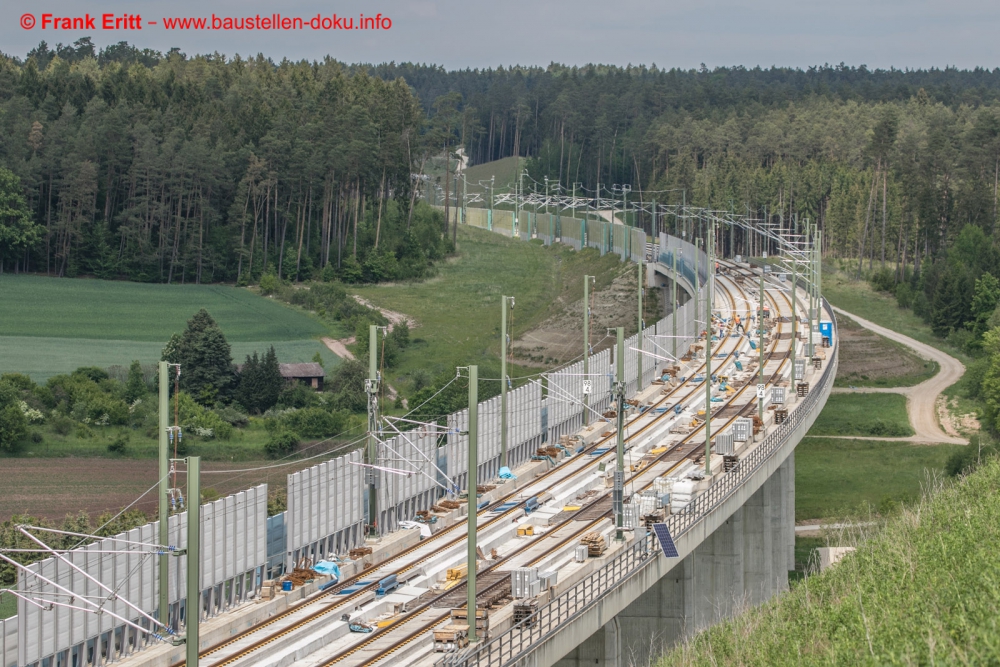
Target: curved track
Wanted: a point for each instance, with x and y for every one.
(311, 613)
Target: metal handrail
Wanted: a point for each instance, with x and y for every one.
(527, 635)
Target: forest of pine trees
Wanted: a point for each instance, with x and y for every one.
(169, 168)
(174, 169)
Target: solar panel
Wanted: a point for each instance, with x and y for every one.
(666, 541)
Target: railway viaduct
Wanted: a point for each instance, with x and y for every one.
(733, 533)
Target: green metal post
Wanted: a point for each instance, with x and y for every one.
(697, 316)
(676, 250)
(586, 346)
(795, 327)
(652, 222)
(708, 356)
(163, 614)
(371, 453)
(618, 492)
(812, 280)
(473, 483)
(193, 613)
(819, 276)
(503, 381)
(639, 338)
(760, 344)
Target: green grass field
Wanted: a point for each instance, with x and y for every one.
(54, 325)
(835, 477)
(102, 309)
(864, 414)
(504, 172)
(41, 358)
(458, 311)
(919, 591)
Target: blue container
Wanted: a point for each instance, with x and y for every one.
(387, 585)
(286, 585)
(826, 329)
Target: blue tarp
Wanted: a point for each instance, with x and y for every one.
(505, 473)
(328, 568)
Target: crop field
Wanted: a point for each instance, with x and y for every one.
(869, 360)
(55, 487)
(54, 325)
(42, 357)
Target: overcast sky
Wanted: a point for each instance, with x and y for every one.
(877, 33)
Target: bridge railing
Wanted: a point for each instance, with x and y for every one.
(528, 635)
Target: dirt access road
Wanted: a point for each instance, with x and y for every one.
(922, 399)
(339, 347)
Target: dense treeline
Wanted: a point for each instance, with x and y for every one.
(173, 169)
(899, 169)
(889, 162)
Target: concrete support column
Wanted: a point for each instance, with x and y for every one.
(603, 648)
(788, 477)
(728, 578)
(657, 620)
(774, 487)
(719, 577)
(757, 552)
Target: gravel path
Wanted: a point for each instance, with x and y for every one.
(921, 400)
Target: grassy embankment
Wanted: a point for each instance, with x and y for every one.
(458, 311)
(55, 325)
(920, 591)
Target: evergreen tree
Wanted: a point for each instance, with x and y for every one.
(17, 232)
(984, 303)
(270, 380)
(205, 358)
(135, 385)
(260, 382)
(248, 387)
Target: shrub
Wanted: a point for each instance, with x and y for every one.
(13, 427)
(92, 373)
(61, 424)
(18, 380)
(904, 295)
(281, 444)
(230, 414)
(962, 339)
(969, 458)
(883, 280)
(315, 422)
(881, 428)
(297, 395)
(269, 283)
(118, 445)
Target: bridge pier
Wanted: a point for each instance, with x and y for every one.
(741, 564)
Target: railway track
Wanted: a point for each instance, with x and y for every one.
(565, 471)
(428, 621)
